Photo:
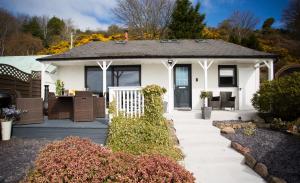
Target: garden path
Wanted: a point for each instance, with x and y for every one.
(208, 154)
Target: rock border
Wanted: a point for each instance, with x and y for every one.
(259, 167)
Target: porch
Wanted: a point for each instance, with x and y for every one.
(184, 79)
(216, 115)
(59, 129)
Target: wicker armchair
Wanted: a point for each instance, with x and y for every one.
(53, 109)
(83, 106)
(214, 102)
(99, 108)
(32, 109)
(227, 100)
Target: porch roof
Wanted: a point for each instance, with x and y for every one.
(159, 49)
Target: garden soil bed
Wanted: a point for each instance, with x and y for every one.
(279, 151)
(17, 157)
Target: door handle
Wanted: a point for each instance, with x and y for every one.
(181, 87)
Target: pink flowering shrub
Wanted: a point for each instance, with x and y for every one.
(79, 160)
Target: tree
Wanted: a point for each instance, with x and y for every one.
(55, 29)
(291, 18)
(242, 24)
(267, 25)
(149, 18)
(43, 21)
(251, 42)
(186, 21)
(55, 26)
(23, 44)
(9, 25)
(33, 27)
(114, 29)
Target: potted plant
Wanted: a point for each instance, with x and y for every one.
(59, 86)
(206, 111)
(8, 116)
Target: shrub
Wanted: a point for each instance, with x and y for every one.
(153, 105)
(280, 97)
(157, 168)
(139, 136)
(79, 160)
(278, 124)
(249, 130)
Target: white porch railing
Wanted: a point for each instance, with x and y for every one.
(129, 100)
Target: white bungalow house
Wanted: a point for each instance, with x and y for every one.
(183, 67)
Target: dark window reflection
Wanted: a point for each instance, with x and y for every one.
(115, 76)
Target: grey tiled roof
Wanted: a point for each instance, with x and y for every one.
(156, 49)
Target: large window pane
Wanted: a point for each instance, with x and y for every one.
(126, 75)
(94, 81)
(115, 76)
(93, 76)
(227, 76)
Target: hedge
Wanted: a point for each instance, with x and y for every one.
(149, 134)
(138, 136)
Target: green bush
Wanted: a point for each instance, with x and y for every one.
(153, 105)
(139, 136)
(280, 97)
(79, 160)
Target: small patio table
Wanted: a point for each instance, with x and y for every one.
(61, 107)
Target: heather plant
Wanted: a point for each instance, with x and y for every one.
(280, 97)
(79, 160)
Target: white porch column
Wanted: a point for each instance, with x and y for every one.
(104, 66)
(43, 78)
(270, 66)
(271, 70)
(257, 76)
(205, 66)
(169, 66)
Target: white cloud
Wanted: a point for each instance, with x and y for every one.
(86, 14)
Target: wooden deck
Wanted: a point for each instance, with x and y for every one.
(58, 129)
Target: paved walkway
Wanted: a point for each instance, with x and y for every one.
(208, 154)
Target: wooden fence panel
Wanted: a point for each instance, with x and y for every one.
(13, 79)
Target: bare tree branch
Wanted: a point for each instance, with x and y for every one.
(149, 17)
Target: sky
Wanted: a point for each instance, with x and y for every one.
(97, 14)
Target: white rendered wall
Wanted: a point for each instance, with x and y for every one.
(248, 80)
(155, 74)
(47, 79)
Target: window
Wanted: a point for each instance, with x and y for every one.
(115, 76)
(227, 76)
(126, 75)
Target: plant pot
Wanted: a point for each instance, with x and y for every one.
(206, 112)
(6, 130)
